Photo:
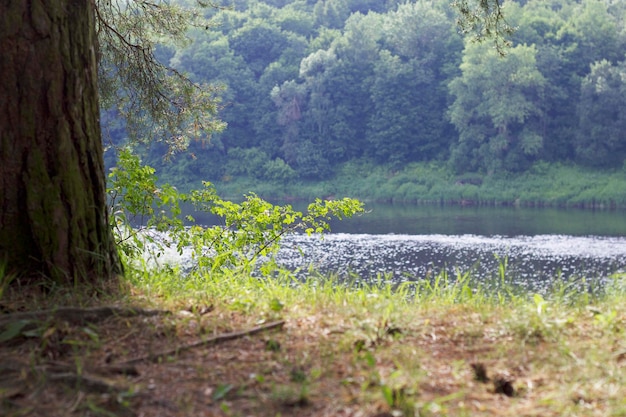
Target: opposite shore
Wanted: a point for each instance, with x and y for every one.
(544, 185)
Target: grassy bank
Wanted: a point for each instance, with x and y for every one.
(553, 185)
(435, 349)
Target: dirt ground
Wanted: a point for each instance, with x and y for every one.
(206, 361)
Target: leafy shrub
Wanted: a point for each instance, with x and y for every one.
(248, 230)
(277, 170)
(250, 162)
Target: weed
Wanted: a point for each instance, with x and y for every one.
(248, 231)
(5, 279)
(289, 395)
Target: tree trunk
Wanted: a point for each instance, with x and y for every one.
(53, 214)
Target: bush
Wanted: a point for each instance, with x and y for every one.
(277, 170)
(248, 230)
(249, 162)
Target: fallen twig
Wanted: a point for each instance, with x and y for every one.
(209, 341)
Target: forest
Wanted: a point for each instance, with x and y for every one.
(312, 89)
(364, 95)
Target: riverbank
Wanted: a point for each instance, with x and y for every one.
(237, 346)
(544, 185)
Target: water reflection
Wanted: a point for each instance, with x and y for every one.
(413, 219)
(485, 221)
(534, 262)
(412, 242)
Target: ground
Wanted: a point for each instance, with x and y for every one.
(338, 360)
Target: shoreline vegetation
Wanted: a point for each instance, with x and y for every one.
(545, 185)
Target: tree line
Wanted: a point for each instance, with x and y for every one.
(309, 85)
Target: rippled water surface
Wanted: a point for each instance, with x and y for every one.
(409, 242)
(534, 262)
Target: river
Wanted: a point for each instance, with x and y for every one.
(412, 242)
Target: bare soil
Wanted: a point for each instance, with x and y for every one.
(440, 362)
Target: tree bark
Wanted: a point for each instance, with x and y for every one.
(53, 213)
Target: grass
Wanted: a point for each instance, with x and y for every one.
(440, 347)
(548, 185)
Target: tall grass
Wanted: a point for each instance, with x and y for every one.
(319, 293)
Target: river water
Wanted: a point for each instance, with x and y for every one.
(412, 242)
(407, 242)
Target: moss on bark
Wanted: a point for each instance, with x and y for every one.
(53, 217)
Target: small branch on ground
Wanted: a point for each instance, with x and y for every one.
(152, 357)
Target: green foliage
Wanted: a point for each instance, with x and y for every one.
(13, 330)
(136, 199)
(484, 20)
(255, 163)
(497, 107)
(308, 86)
(601, 139)
(248, 230)
(278, 171)
(5, 279)
(259, 44)
(155, 100)
(544, 184)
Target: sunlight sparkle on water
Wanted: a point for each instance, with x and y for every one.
(533, 261)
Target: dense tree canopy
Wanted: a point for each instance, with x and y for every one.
(158, 102)
(601, 137)
(497, 109)
(311, 85)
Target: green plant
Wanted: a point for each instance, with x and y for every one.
(20, 328)
(138, 203)
(247, 230)
(540, 320)
(5, 279)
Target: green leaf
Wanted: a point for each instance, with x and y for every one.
(388, 394)
(13, 330)
(370, 359)
(221, 391)
(276, 305)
